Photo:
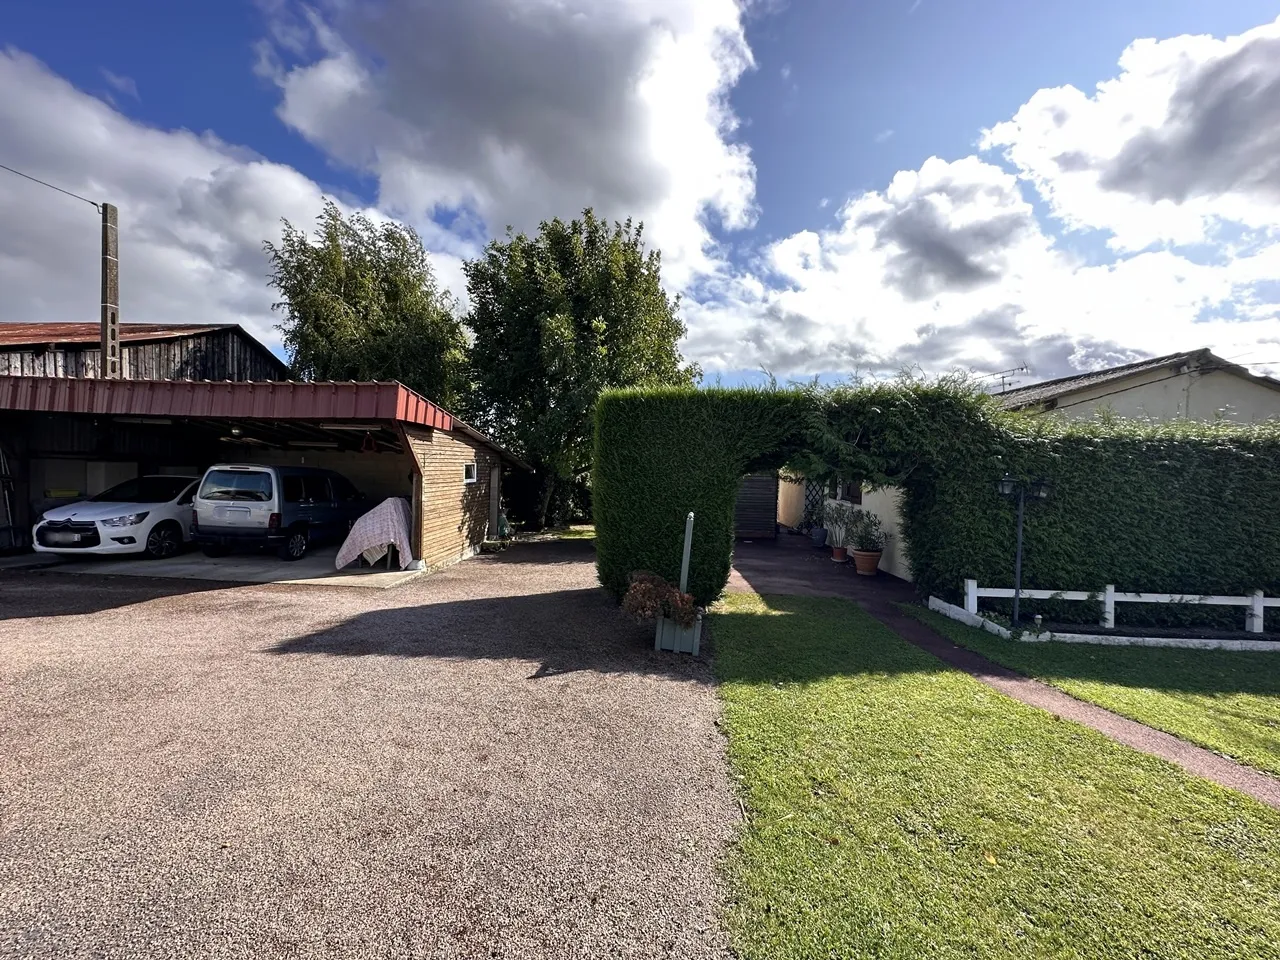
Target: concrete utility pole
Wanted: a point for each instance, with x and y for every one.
(110, 366)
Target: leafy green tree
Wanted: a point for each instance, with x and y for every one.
(557, 318)
(361, 303)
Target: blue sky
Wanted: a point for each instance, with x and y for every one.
(767, 173)
(935, 77)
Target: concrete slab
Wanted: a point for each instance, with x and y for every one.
(314, 569)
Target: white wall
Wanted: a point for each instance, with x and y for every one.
(790, 501)
(887, 505)
(1158, 395)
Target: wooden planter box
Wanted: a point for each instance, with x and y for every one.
(669, 635)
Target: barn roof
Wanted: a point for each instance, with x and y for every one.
(38, 334)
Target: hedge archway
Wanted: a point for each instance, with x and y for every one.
(1178, 507)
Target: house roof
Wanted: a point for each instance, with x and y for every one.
(265, 400)
(1050, 391)
(38, 334)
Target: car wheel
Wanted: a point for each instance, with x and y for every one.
(164, 540)
(295, 546)
(215, 550)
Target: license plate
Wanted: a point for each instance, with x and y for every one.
(55, 537)
(231, 513)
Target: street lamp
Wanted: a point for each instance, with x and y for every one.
(1009, 486)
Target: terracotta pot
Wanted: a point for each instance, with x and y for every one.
(839, 554)
(867, 562)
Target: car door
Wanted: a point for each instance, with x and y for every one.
(317, 502)
(184, 510)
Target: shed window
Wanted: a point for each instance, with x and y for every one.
(468, 473)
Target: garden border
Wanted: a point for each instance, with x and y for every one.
(1048, 636)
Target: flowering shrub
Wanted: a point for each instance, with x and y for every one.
(649, 596)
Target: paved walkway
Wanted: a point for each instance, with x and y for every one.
(790, 565)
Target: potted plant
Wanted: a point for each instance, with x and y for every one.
(868, 537)
(678, 621)
(838, 516)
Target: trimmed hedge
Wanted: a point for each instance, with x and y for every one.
(1178, 507)
(660, 453)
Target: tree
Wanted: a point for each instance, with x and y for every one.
(557, 319)
(361, 303)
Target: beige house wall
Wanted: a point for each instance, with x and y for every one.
(1157, 395)
(790, 501)
(886, 504)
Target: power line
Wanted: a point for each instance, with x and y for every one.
(51, 186)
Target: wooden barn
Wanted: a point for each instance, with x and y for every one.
(148, 351)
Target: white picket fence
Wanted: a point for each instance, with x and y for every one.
(1255, 602)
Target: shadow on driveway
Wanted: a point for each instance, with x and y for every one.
(565, 631)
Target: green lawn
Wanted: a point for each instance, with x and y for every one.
(1228, 702)
(901, 809)
(579, 532)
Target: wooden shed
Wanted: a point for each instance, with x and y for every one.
(148, 351)
(755, 513)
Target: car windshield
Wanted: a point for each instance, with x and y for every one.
(236, 485)
(144, 490)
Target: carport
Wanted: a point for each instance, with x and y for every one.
(69, 438)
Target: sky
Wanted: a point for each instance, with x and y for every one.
(836, 188)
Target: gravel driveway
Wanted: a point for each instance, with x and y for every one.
(487, 762)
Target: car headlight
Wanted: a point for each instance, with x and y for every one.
(127, 521)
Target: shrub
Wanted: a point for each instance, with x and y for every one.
(1178, 507)
(841, 519)
(650, 597)
(662, 453)
(868, 532)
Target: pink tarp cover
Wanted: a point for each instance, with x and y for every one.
(385, 524)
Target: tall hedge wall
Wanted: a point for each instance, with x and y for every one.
(1157, 508)
(663, 452)
(1181, 507)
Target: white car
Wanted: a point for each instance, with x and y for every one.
(147, 515)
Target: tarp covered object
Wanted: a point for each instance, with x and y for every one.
(372, 534)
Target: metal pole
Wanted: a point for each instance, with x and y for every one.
(1017, 560)
(688, 546)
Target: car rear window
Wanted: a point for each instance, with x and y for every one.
(236, 485)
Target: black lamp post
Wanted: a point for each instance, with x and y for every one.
(1011, 487)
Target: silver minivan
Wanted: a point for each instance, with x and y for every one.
(286, 508)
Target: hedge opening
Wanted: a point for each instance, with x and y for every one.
(1177, 507)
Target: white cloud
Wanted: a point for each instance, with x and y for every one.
(949, 267)
(123, 84)
(1186, 137)
(510, 111)
(194, 212)
(521, 110)
(883, 136)
(1176, 160)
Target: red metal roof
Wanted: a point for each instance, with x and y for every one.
(262, 400)
(35, 334)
